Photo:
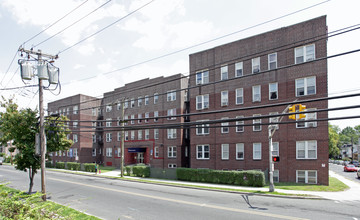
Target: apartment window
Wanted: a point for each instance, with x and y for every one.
(108, 137)
(272, 58)
(75, 152)
(273, 91)
(239, 96)
(156, 115)
(132, 103)
(224, 72)
(93, 112)
(171, 112)
(202, 102)
(202, 77)
(171, 133)
(75, 138)
(118, 136)
(306, 176)
(257, 123)
(126, 135)
(276, 176)
(239, 125)
(156, 152)
(119, 152)
(94, 152)
(139, 118)
(68, 153)
(147, 117)
(171, 96)
(126, 118)
(132, 119)
(108, 122)
(108, 152)
(139, 134)
(156, 134)
(75, 110)
(305, 86)
(146, 100)
(256, 65)
(257, 151)
(306, 150)
(202, 129)
(256, 93)
(275, 150)
(94, 138)
(240, 151)
(224, 98)
(308, 116)
(118, 121)
(304, 53)
(239, 69)
(274, 119)
(118, 105)
(75, 124)
(224, 127)
(202, 152)
(147, 134)
(156, 98)
(172, 152)
(140, 101)
(68, 111)
(108, 108)
(126, 103)
(225, 151)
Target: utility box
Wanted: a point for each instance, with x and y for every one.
(26, 70)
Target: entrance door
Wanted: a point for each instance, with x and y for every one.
(140, 157)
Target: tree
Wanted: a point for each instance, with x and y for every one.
(21, 127)
(346, 134)
(334, 140)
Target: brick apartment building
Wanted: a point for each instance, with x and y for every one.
(269, 68)
(81, 111)
(148, 103)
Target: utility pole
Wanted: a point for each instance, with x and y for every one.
(122, 138)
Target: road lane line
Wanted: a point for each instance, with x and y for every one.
(184, 202)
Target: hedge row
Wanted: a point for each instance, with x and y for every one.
(242, 178)
(73, 166)
(139, 171)
(60, 165)
(89, 167)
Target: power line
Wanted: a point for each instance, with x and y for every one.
(19, 87)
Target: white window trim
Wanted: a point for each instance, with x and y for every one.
(253, 93)
(202, 127)
(253, 64)
(306, 149)
(225, 125)
(237, 67)
(273, 61)
(225, 151)
(257, 121)
(308, 116)
(172, 151)
(202, 102)
(237, 91)
(306, 79)
(202, 152)
(224, 98)
(240, 148)
(240, 123)
(307, 176)
(305, 55)
(254, 150)
(204, 80)
(224, 71)
(277, 91)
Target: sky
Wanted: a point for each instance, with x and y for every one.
(130, 43)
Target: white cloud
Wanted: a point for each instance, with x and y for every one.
(78, 66)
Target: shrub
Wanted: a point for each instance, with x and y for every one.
(89, 167)
(60, 165)
(242, 178)
(73, 165)
(128, 170)
(48, 164)
(141, 171)
(7, 160)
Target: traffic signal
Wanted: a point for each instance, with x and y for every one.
(292, 109)
(301, 109)
(276, 159)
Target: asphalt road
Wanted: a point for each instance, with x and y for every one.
(339, 169)
(114, 199)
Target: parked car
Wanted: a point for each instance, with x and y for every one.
(355, 163)
(358, 173)
(350, 168)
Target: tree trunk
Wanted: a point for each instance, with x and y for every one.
(31, 177)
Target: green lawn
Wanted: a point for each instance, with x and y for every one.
(335, 185)
(106, 169)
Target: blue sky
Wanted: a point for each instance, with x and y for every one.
(162, 27)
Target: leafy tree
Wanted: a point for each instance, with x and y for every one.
(21, 127)
(346, 134)
(334, 140)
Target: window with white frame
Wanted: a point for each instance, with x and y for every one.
(94, 138)
(147, 134)
(203, 152)
(126, 118)
(224, 98)
(156, 133)
(75, 152)
(171, 95)
(276, 176)
(93, 112)
(171, 133)
(240, 151)
(139, 118)
(202, 102)
(275, 150)
(108, 152)
(132, 119)
(75, 138)
(202, 77)
(119, 152)
(272, 60)
(172, 152)
(126, 135)
(257, 151)
(75, 124)
(239, 96)
(306, 176)
(100, 149)
(308, 116)
(306, 149)
(304, 53)
(108, 122)
(274, 119)
(202, 129)
(240, 124)
(139, 134)
(305, 86)
(156, 152)
(75, 110)
(118, 121)
(132, 135)
(273, 91)
(147, 114)
(68, 111)
(170, 113)
(146, 100)
(140, 101)
(257, 123)
(93, 152)
(126, 103)
(119, 136)
(238, 69)
(224, 151)
(118, 105)
(108, 108)
(132, 103)
(224, 72)
(156, 115)
(156, 98)
(256, 96)
(108, 137)
(225, 126)
(255, 65)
